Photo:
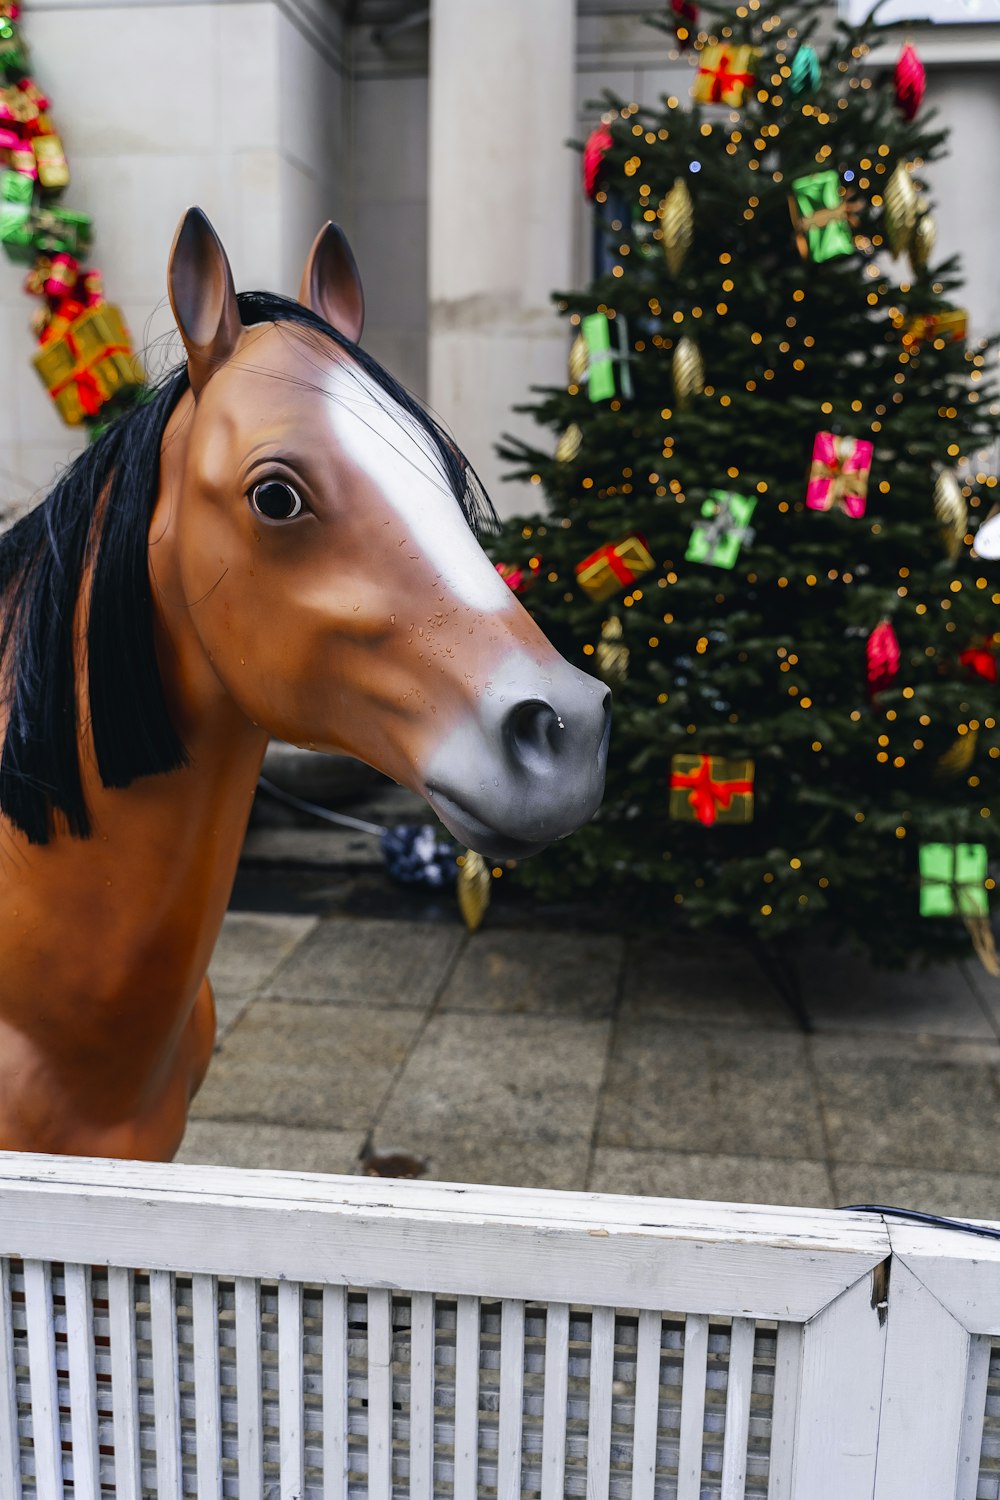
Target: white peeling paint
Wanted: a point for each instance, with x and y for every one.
(386, 443)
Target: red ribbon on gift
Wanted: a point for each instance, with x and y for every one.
(707, 795)
(92, 398)
(619, 568)
(722, 79)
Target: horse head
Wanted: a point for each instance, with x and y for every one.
(325, 549)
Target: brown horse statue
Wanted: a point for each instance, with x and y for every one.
(280, 541)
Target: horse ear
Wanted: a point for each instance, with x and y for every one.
(202, 296)
(331, 285)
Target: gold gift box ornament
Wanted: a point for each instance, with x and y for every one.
(711, 789)
(950, 325)
(88, 363)
(614, 566)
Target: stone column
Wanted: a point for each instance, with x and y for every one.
(501, 184)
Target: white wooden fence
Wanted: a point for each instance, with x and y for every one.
(169, 1331)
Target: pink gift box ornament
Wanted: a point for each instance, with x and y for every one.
(839, 474)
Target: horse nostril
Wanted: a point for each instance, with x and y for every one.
(533, 731)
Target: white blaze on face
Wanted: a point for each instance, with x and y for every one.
(399, 458)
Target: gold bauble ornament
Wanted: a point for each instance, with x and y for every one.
(676, 216)
(474, 882)
(900, 209)
(923, 242)
(578, 360)
(569, 444)
(688, 371)
(612, 653)
(951, 510)
(959, 756)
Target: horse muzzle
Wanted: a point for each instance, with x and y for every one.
(528, 766)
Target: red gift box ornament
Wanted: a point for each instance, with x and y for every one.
(883, 655)
(910, 81)
(599, 143)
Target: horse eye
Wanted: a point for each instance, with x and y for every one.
(275, 500)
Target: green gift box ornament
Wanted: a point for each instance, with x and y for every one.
(595, 330)
(16, 193)
(723, 529)
(953, 880)
(61, 231)
(821, 216)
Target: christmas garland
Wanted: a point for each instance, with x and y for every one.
(85, 357)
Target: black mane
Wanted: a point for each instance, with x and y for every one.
(100, 510)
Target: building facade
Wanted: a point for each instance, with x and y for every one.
(435, 133)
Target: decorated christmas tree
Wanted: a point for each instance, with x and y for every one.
(767, 501)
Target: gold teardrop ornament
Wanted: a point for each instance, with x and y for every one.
(959, 756)
(612, 653)
(900, 209)
(676, 216)
(578, 357)
(474, 883)
(951, 510)
(569, 444)
(688, 371)
(923, 242)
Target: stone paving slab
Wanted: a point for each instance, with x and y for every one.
(727, 1179)
(561, 973)
(319, 1066)
(364, 961)
(910, 1102)
(505, 1161)
(969, 1195)
(671, 980)
(251, 945)
(278, 1147)
(492, 1077)
(843, 993)
(676, 1087)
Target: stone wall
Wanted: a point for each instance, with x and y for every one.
(239, 107)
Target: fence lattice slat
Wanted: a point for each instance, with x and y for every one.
(335, 1462)
(10, 1448)
(290, 1392)
(207, 1396)
(46, 1439)
(421, 1396)
(602, 1365)
(647, 1405)
(124, 1382)
(249, 1390)
(466, 1396)
(554, 1401)
(740, 1375)
(82, 1383)
(380, 1395)
(166, 1377)
(511, 1401)
(692, 1407)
